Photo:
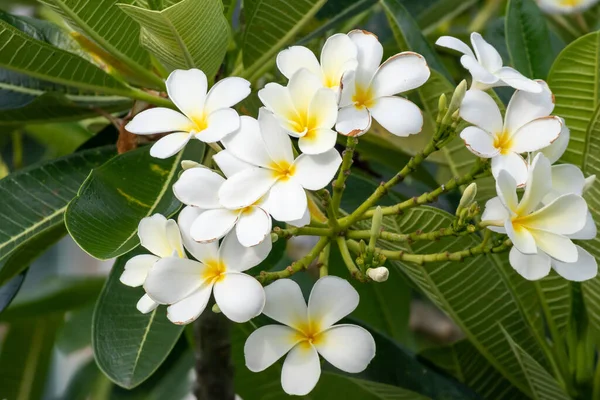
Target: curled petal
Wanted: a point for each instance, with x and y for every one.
(453, 43)
(515, 79)
(479, 142)
(486, 54)
(353, 121)
(158, 120)
(253, 226)
(525, 107)
(136, 270)
(153, 235)
(145, 304)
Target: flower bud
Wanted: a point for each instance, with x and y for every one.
(189, 164)
(442, 107)
(457, 97)
(468, 196)
(375, 228)
(216, 309)
(589, 181)
(379, 274)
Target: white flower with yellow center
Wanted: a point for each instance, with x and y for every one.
(207, 117)
(273, 171)
(337, 57)
(369, 91)
(305, 109)
(541, 233)
(309, 332)
(186, 285)
(485, 65)
(527, 127)
(162, 238)
(565, 6)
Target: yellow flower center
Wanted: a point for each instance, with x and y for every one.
(570, 3)
(302, 122)
(503, 142)
(215, 271)
(200, 123)
(363, 97)
(282, 170)
(307, 333)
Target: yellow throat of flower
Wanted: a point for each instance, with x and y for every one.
(307, 334)
(282, 170)
(503, 142)
(215, 271)
(363, 97)
(569, 3)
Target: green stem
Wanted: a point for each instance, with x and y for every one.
(303, 263)
(17, 150)
(304, 231)
(596, 384)
(347, 257)
(323, 262)
(414, 236)
(150, 98)
(340, 183)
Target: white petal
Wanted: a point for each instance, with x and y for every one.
(314, 172)
(153, 235)
(331, 299)
(213, 224)
(247, 142)
(246, 187)
(158, 120)
(237, 257)
(348, 88)
(286, 200)
(172, 279)
(506, 187)
(278, 146)
(136, 270)
(226, 93)
(187, 89)
(318, 141)
(170, 145)
(558, 147)
(323, 109)
(346, 347)
(481, 110)
(399, 116)
(200, 251)
(565, 215)
(567, 178)
(525, 107)
(198, 187)
(536, 134)
(521, 238)
(305, 220)
(455, 44)
(278, 100)
(187, 310)
(588, 232)
(268, 344)
(539, 183)
(353, 121)
(370, 53)
(174, 238)
(495, 210)
(239, 296)
(400, 73)
(230, 164)
(145, 304)
(530, 266)
(556, 246)
(486, 54)
(513, 164)
(286, 304)
(583, 269)
(478, 71)
(339, 54)
(515, 79)
(294, 58)
(479, 142)
(254, 226)
(301, 370)
(220, 123)
(303, 86)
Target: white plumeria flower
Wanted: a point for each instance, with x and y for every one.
(527, 127)
(187, 284)
(199, 187)
(565, 6)
(305, 109)
(205, 116)
(162, 238)
(369, 91)
(485, 65)
(274, 172)
(540, 236)
(308, 332)
(337, 57)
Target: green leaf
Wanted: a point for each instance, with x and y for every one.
(189, 34)
(465, 363)
(441, 12)
(271, 25)
(104, 217)
(574, 79)
(34, 200)
(60, 138)
(409, 37)
(129, 346)
(528, 39)
(87, 381)
(25, 358)
(543, 386)
(9, 290)
(556, 294)
(338, 386)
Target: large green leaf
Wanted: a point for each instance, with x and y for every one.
(25, 358)
(528, 39)
(574, 79)
(271, 25)
(543, 386)
(476, 294)
(129, 346)
(189, 34)
(9, 290)
(104, 217)
(440, 12)
(556, 294)
(34, 200)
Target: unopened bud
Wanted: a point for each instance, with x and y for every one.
(274, 237)
(189, 164)
(379, 274)
(468, 196)
(457, 97)
(442, 107)
(375, 228)
(589, 181)
(216, 309)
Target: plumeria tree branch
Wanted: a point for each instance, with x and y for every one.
(340, 183)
